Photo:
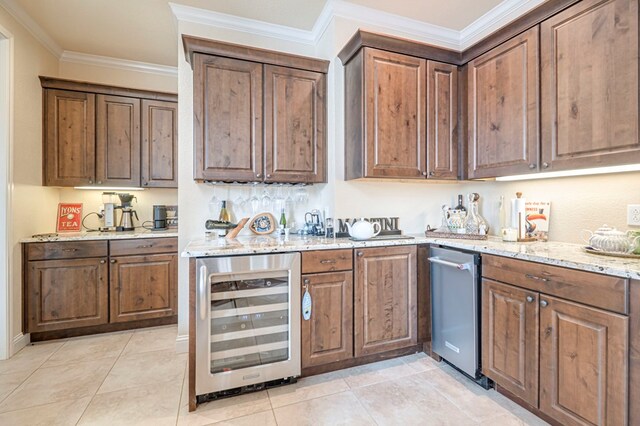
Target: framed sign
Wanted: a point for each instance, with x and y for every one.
(69, 217)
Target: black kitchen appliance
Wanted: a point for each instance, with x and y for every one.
(159, 218)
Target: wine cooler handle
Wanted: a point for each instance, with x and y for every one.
(202, 292)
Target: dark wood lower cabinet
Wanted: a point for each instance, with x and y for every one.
(510, 338)
(385, 302)
(143, 287)
(328, 335)
(583, 364)
(67, 293)
(75, 288)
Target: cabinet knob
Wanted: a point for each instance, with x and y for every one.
(102, 262)
(113, 261)
(432, 173)
(268, 176)
(532, 166)
(99, 182)
(424, 173)
(529, 299)
(258, 175)
(359, 254)
(146, 183)
(545, 165)
(306, 281)
(544, 303)
(90, 180)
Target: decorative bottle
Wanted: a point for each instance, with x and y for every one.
(474, 223)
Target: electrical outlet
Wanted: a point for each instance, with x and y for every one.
(633, 215)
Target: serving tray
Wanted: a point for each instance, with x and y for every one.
(611, 254)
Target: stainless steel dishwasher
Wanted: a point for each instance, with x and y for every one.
(455, 309)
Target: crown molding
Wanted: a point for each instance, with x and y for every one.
(124, 64)
(494, 19)
(32, 26)
(420, 30)
(231, 22)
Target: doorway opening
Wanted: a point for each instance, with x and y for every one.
(5, 192)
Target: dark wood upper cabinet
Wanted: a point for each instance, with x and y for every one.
(93, 135)
(117, 141)
(295, 139)
(328, 335)
(590, 85)
(385, 300)
(503, 109)
(69, 134)
(385, 115)
(259, 115)
(510, 338)
(583, 364)
(159, 144)
(442, 121)
(228, 119)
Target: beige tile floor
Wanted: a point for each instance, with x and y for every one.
(136, 378)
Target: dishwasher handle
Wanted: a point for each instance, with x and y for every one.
(460, 266)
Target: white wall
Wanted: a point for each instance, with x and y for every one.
(32, 204)
(6, 68)
(577, 203)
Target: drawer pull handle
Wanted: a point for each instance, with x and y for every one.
(533, 277)
(70, 250)
(325, 261)
(145, 246)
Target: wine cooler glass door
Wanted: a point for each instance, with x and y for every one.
(248, 324)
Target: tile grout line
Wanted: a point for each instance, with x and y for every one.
(103, 380)
(186, 372)
(30, 374)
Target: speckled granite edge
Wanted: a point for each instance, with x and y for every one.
(92, 236)
(552, 253)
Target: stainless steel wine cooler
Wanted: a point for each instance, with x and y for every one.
(247, 320)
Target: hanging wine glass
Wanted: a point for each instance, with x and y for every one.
(214, 205)
(266, 200)
(254, 200)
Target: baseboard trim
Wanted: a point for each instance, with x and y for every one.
(19, 342)
(182, 343)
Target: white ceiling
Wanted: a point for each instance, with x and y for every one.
(146, 30)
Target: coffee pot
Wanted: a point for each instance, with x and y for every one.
(126, 218)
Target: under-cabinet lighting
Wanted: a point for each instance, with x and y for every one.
(108, 188)
(567, 173)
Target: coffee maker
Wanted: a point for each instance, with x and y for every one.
(126, 218)
(109, 201)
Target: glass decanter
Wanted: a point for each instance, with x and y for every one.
(474, 223)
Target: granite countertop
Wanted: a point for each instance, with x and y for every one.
(553, 253)
(91, 236)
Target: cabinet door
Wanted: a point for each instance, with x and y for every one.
(118, 141)
(69, 138)
(159, 144)
(395, 117)
(510, 338)
(503, 95)
(295, 125)
(583, 364)
(63, 294)
(590, 85)
(227, 96)
(385, 308)
(442, 120)
(328, 335)
(143, 287)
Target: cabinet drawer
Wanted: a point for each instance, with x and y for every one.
(326, 261)
(66, 250)
(602, 291)
(143, 246)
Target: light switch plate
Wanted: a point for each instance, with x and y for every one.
(633, 215)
